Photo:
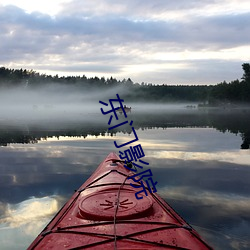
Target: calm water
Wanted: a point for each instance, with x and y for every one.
(195, 155)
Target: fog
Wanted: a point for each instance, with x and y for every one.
(55, 102)
(65, 103)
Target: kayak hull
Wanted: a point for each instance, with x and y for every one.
(105, 213)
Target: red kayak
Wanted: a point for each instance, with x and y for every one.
(104, 213)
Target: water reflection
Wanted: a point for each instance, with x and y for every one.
(234, 121)
(200, 171)
(20, 222)
(29, 210)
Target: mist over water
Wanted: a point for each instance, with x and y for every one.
(55, 102)
(61, 102)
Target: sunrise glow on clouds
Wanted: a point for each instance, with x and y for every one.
(171, 42)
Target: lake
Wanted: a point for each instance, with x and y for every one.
(200, 158)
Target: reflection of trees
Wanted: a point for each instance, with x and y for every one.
(246, 141)
(19, 134)
(222, 120)
(16, 137)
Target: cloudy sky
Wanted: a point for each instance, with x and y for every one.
(157, 41)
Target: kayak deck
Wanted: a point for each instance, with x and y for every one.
(104, 213)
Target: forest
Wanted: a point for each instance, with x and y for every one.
(224, 93)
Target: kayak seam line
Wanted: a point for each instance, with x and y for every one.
(121, 236)
(105, 184)
(120, 222)
(128, 237)
(99, 178)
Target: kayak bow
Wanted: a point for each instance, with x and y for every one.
(104, 213)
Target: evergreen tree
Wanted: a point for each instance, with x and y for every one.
(246, 69)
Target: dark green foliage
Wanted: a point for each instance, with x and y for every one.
(233, 92)
(246, 69)
(222, 93)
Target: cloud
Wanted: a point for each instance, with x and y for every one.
(26, 220)
(115, 30)
(233, 204)
(29, 210)
(149, 9)
(125, 40)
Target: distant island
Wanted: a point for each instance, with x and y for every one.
(236, 92)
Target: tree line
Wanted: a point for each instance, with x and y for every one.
(236, 91)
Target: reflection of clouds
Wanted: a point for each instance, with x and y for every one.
(29, 212)
(80, 138)
(222, 219)
(237, 157)
(59, 157)
(36, 169)
(189, 139)
(2, 209)
(228, 203)
(227, 240)
(171, 146)
(25, 220)
(14, 179)
(203, 144)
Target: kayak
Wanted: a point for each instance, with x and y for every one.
(126, 109)
(107, 213)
